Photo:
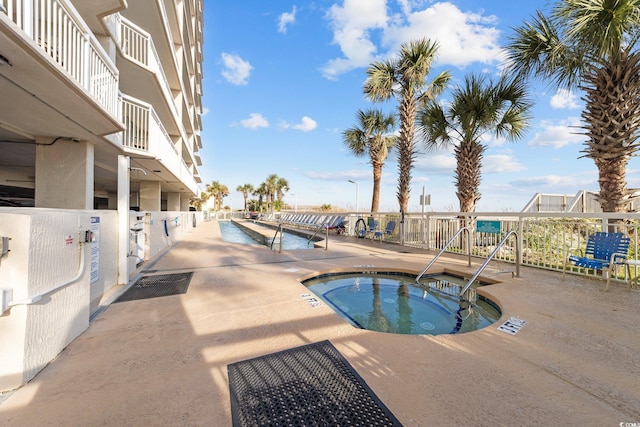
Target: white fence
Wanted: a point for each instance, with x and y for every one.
(545, 238)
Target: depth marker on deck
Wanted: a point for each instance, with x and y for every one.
(512, 325)
(313, 301)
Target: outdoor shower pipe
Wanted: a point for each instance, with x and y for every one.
(34, 299)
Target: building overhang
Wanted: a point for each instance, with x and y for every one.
(40, 97)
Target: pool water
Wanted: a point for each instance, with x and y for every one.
(395, 303)
(232, 233)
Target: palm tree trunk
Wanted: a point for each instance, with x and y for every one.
(612, 123)
(613, 187)
(377, 176)
(406, 150)
(469, 160)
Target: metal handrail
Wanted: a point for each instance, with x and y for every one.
(326, 240)
(444, 248)
(495, 251)
(281, 230)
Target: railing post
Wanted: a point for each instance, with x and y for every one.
(326, 240)
(428, 228)
(519, 244)
(85, 62)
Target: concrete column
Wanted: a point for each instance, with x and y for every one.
(123, 219)
(150, 196)
(184, 203)
(64, 174)
(173, 201)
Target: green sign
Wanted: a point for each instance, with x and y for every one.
(488, 227)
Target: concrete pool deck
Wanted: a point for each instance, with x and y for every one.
(163, 361)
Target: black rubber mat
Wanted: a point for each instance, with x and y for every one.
(312, 385)
(161, 285)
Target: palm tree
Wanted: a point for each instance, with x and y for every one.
(218, 191)
(197, 202)
(271, 185)
(282, 185)
(591, 45)
(261, 192)
(404, 78)
(372, 136)
(479, 107)
(245, 189)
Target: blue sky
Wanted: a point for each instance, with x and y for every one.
(283, 80)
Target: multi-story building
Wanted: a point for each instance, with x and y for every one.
(100, 120)
(90, 80)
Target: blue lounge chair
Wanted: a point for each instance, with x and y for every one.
(388, 231)
(372, 226)
(604, 251)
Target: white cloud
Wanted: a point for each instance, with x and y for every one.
(255, 120)
(340, 176)
(236, 70)
(564, 99)
(549, 181)
(464, 37)
(307, 124)
(437, 164)
(558, 134)
(352, 24)
(205, 111)
(285, 19)
(499, 163)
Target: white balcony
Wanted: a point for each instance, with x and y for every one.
(146, 135)
(56, 29)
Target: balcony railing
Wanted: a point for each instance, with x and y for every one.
(137, 45)
(145, 132)
(59, 30)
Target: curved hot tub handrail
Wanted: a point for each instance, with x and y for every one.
(444, 248)
(495, 251)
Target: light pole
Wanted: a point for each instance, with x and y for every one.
(296, 208)
(354, 182)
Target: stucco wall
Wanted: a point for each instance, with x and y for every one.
(177, 225)
(45, 252)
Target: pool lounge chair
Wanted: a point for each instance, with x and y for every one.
(388, 231)
(604, 252)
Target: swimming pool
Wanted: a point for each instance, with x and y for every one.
(232, 233)
(393, 302)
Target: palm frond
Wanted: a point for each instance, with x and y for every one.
(433, 126)
(602, 26)
(381, 78)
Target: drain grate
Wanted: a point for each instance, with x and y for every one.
(312, 385)
(161, 285)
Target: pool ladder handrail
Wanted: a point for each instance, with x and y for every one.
(444, 248)
(281, 230)
(495, 251)
(326, 240)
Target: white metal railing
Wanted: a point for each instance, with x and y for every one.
(59, 30)
(144, 131)
(582, 202)
(545, 238)
(137, 45)
(135, 116)
(134, 42)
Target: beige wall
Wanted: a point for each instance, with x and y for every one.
(44, 253)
